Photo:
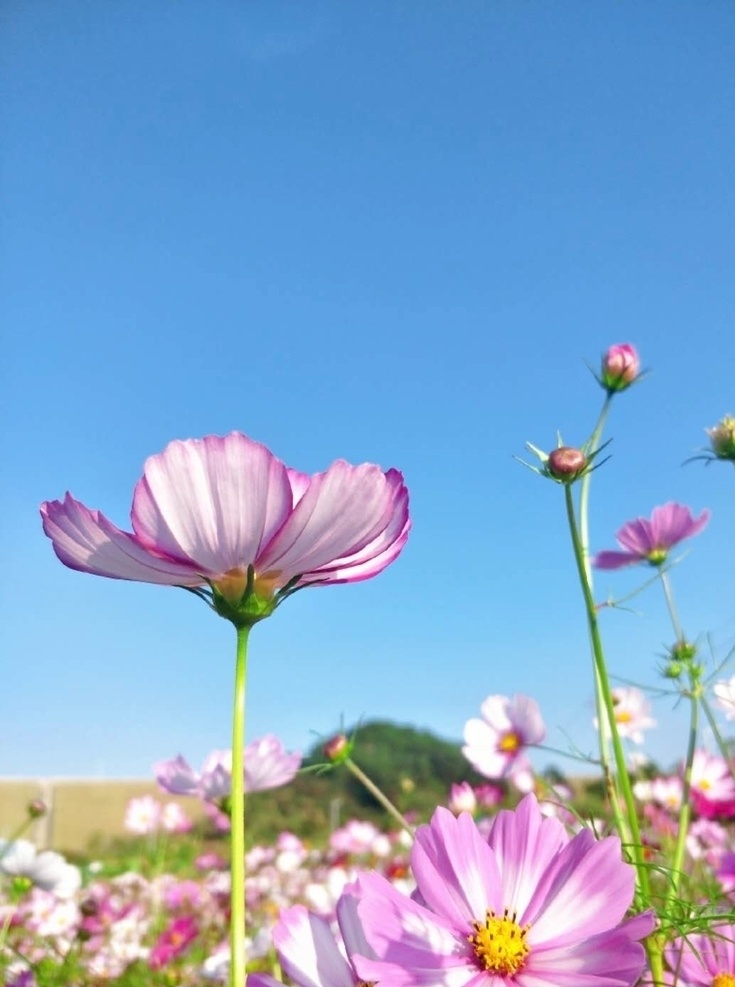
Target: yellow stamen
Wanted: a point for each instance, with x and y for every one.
(623, 716)
(500, 944)
(724, 980)
(234, 583)
(509, 742)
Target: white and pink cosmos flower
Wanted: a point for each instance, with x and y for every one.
(712, 785)
(528, 906)
(704, 960)
(495, 744)
(224, 512)
(267, 765)
(632, 713)
(725, 697)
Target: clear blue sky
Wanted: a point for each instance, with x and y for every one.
(379, 231)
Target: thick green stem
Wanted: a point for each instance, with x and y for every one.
(237, 865)
(378, 794)
(685, 810)
(643, 890)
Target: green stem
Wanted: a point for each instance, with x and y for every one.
(643, 888)
(378, 794)
(685, 810)
(671, 606)
(237, 863)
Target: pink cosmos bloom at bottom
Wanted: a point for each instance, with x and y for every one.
(704, 960)
(528, 906)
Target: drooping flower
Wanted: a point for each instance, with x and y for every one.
(632, 711)
(495, 744)
(308, 951)
(620, 367)
(704, 960)
(267, 765)
(645, 540)
(527, 906)
(225, 513)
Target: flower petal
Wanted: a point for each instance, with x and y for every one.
(455, 869)
(85, 540)
(213, 501)
(344, 511)
(308, 951)
(615, 560)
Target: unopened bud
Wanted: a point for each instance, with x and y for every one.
(722, 438)
(89, 907)
(620, 367)
(566, 463)
(36, 808)
(337, 749)
(683, 651)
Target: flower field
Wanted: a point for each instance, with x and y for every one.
(503, 876)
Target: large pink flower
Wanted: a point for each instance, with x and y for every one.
(529, 906)
(225, 512)
(645, 540)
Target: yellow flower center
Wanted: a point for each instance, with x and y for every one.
(704, 785)
(500, 944)
(509, 742)
(234, 582)
(623, 716)
(657, 556)
(724, 980)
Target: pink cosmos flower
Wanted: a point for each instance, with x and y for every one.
(173, 941)
(651, 541)
(494, 745)
(174, 819)
(712, 785)
(225, 513)
(620, 367)
(462, 798)
(308, 951)
(725, 697)
(143, 815)
(704, 960)
(267, 765)
(529, 906)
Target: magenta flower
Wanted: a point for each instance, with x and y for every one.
(173, 941)
(651, 541)
(267, 765)
(224, 513)
(529, 906)
(495, 744)
(706, 960)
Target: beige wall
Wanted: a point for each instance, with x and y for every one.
(79, 809)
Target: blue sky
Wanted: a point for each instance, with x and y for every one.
(384, 232)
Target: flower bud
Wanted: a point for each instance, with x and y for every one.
(620, 367)
(722, 438)
(36, 808)
(566, 463)
(337, 749)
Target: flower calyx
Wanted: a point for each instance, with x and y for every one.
(565, 464)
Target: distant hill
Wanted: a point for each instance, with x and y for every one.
(413, 767)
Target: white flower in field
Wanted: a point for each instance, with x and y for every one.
(46, 870)
(53, 917)
(143, 815)
(725, 697)
(632, 713)
(174, 819)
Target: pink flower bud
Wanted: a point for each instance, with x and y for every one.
(337, 748)
(620, 367)
(566, 463)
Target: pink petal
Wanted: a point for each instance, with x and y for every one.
(343, 511)
(308, 952)
(637, 537)
(85, 540)
(524, 844)
(607, 960)
(414, 945)
(176, 776)
(455, 869)
(615, 560)
(353, 934)
(585, 891)
(214, 501)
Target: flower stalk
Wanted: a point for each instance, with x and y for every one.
(237, 912)
(378, 794)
